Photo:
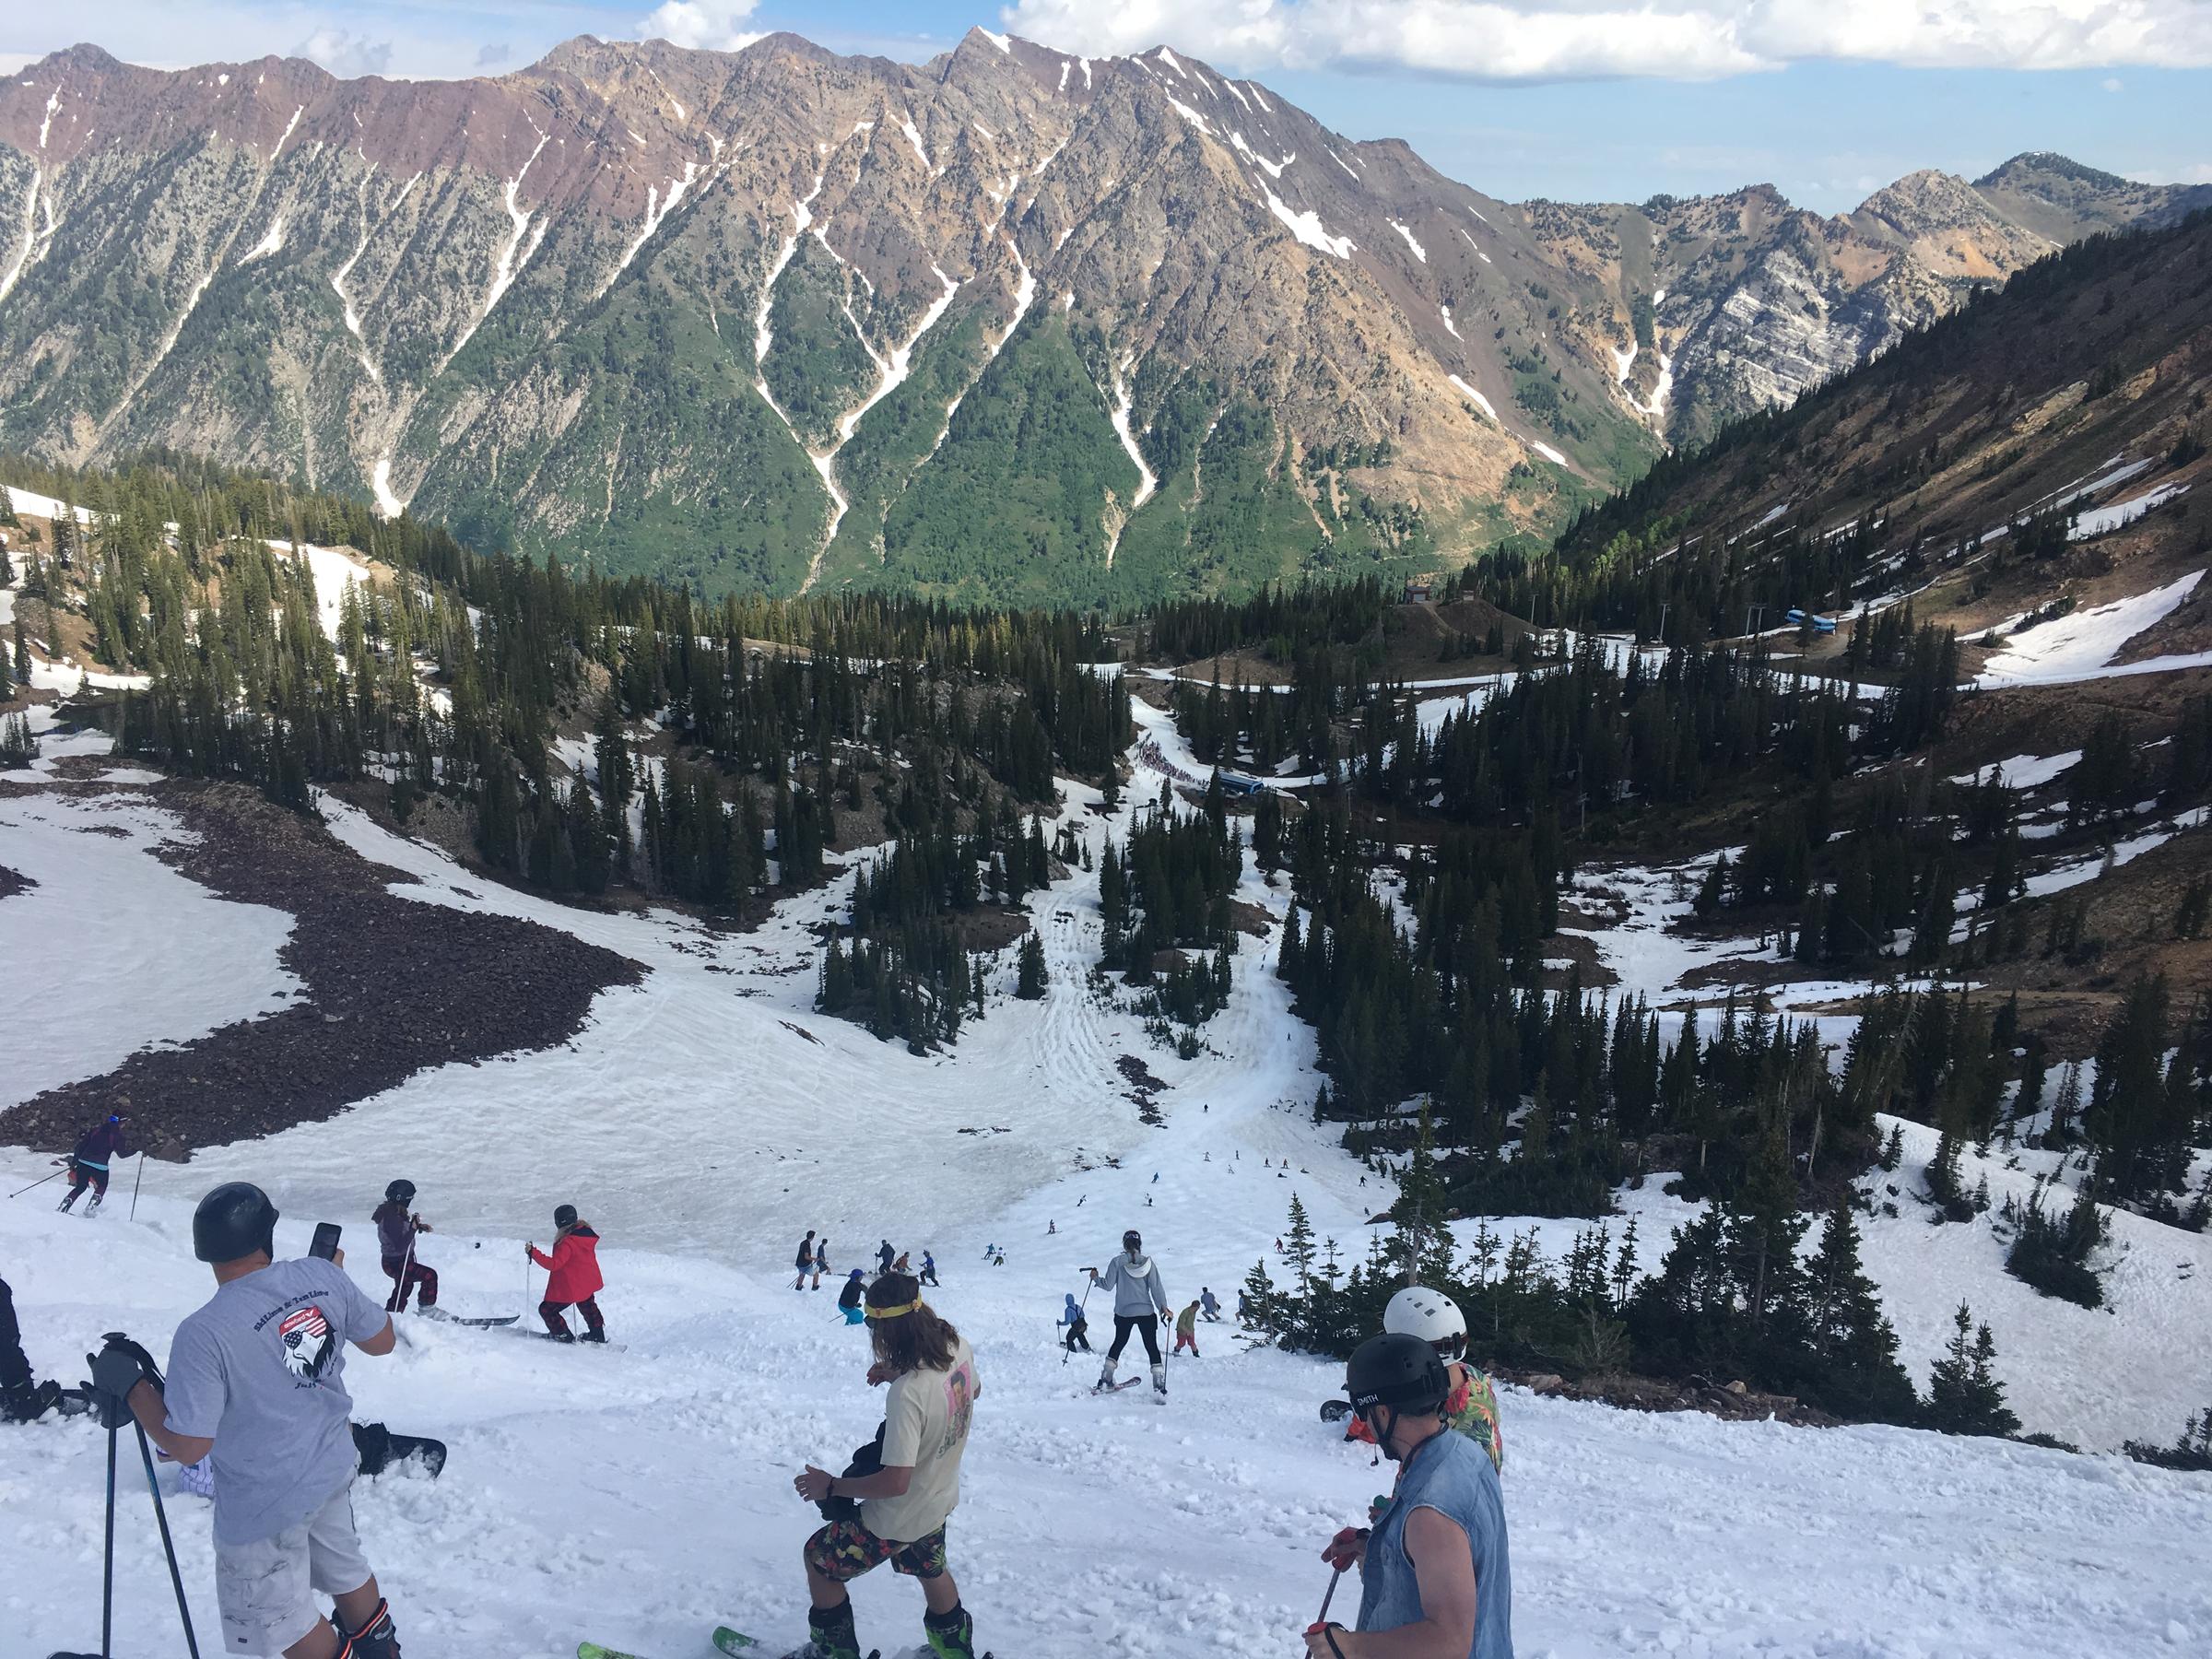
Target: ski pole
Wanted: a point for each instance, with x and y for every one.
(137, 1181)
(1321, 1622)
(169, 1545)
(40, 1182)
(107, 1567)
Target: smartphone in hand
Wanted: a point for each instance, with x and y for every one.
(326, 1241)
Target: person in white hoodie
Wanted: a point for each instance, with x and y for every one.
(1137, 1299)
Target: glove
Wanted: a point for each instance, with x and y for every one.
(116, 1370)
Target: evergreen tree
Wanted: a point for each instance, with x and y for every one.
(1964, 1395)
(1031, 981)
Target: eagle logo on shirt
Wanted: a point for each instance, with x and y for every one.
(308, 1345)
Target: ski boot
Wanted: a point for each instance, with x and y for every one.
(1160, 1384)
(598, 1336)
(951, 1635)
(68, 1199)
(374, 1640)
(830, 1634)
(563, 1334)
(1105, 1383)
(92, 1208)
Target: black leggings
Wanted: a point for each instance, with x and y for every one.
(1144, 1324)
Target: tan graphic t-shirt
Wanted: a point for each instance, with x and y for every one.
(925, 1429)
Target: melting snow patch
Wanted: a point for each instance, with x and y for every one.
(1622, 362)
(1340, 162)
(1477, 246)
(2077, 646)
(999, 41)
(1274, 168)
(1420, 253)
(2024, 771)
(269, 244)
(1445, 311)
(1481, 402)
(1169, 58)
(1307, 227)
(2099, 521)
(1190, 115)
(906, 125)
(1548, 453)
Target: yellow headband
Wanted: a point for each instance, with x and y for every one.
(903, 1307)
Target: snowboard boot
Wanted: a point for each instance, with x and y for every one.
(92, 1208)
(831, 1634)
(30, 1402)
(951, 1635)
(375, 1640)
(563, 1334)
(596, 1334)
(1105, 1379)
(1159, 1381)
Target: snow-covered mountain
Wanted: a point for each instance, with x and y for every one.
(705, 1117)
(1010, 322)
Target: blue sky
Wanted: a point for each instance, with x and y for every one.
(1577, 99)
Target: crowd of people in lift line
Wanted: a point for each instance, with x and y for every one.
(255, 1389)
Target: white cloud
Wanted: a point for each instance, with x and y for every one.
(2111, 83)
(344, 53)
(1554, 40)
(717, 25)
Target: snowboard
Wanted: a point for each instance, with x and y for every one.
(380, 1451)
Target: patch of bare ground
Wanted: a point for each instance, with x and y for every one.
(12, 883)
(1732, 1399)
(392, 988)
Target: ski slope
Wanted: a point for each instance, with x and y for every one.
(706, 1118)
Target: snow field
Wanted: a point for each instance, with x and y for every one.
(703, 1121)
(203, 963)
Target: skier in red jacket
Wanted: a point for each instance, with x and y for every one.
(571, 1277)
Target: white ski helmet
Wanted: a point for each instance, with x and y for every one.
(1430, 1314)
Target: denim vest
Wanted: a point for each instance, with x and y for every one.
(1448, 1473)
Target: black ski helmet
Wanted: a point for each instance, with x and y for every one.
(400, 1192)
(565, 1215)
(1133, 1240)
(234, 1221)
(1398, 1371)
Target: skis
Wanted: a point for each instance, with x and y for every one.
(1102, 1388)
(485, 1323)
(612, 1347)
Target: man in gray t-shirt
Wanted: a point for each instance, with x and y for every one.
(256, 1381)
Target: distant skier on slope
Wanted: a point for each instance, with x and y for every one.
(1134, 1281)
(1079, 1327)
(905, 1505)
(884, 1253)
(1186, 1330)
(849, 1297)
(821, 1259)
(396, 1226)
(929, 1268)
(1210, 1305)
(803, 1261)
(1471, 1407)
(571, 1277)
(96, 1148)
(1436, 1577)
